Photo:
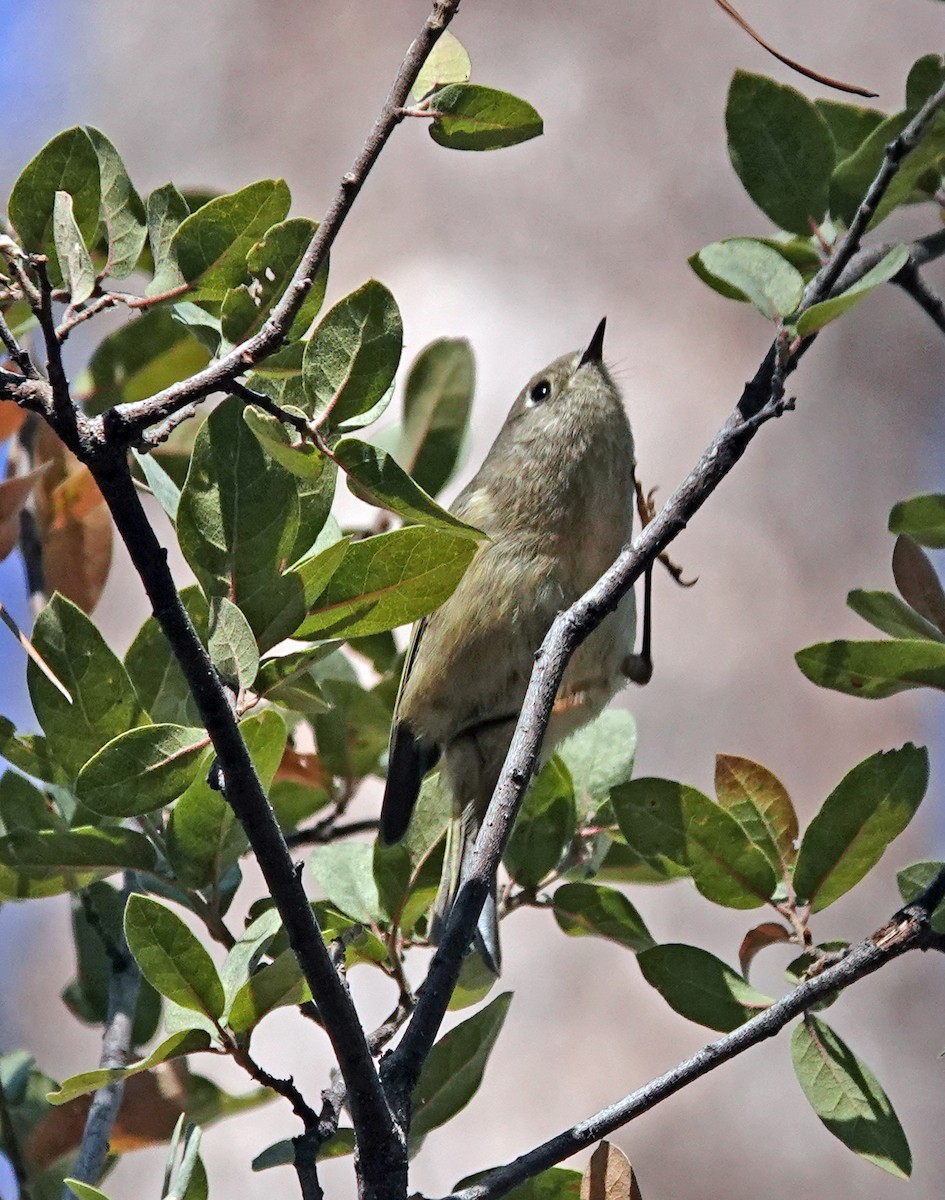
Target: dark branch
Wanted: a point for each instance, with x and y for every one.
(908, 930)
(912, 283)
(218, 375)
(16, 351)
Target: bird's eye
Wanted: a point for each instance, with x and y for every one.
(539, 391)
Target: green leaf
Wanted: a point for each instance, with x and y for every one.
(467, 116)
(75, 262)
(353, 734)
(374, 475)
(727, 867)
(249, 947)
(557, 1183)
(270, 265)
(24, 808)
(913, 880)
(103, 704)
(240, 523)
(389, 580)
(544, 827)
(285, 443)
(171, 958)
(122, 210)
(437, 402)
(650, 815)
(84, 1191)
(66, 164)
(190, 1041)
(351, 359)
(781, 149)
(155, 672)
(701, 987)
(587, 909)
(84, 848)
(345, 873)
(447, 62)
(31, 754)
(917, 581)
(208, 249)
(926, 76)
(922, 518)
(892, 615)
(139, 359)
(600, 756)
(760, 803)
(874, 670)
(141, 770)
(231, 644)
(165, 210)
(163, 488)
(453, 1071)
(869, 807)
(204, 838)
(849, 124)
(748, 269)
(847, 1097)
(276, 985)
(281, 1154)
(854, 175)
(819, 315)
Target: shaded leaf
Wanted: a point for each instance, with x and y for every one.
(913, 880)
(437, 401)
(141, 770)
(286, 445)
(781, 148)
(701, 987)
(583, 909)
(351, 359)
(389, 580)
(467, 116)
(155, 672)
(275, 985)
(171, 958)
(650, 815)
(609, 1176)
(345, 873)
(454, 1068)
(917, 581)
(544, 827)
(869, 807)
(847, 1097)
(768, 933)
(231, 644)
(600, 756)
(68, 163)
(83, 848)
(850, 124)
(165, 210)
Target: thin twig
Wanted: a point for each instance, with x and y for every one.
(16, 351)
(908, 930)
(138, 415)
(931, 303)
(761, 401)
(324, 832)
(116, 1048)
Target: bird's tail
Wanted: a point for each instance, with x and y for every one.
(460, 840)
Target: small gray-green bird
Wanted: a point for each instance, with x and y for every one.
(556, 497)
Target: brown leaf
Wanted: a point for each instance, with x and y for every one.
(11, 419)
(739, 20)
(150, 1107)
(767, 934)
(917, 582)
(303, 768)
(609, 1176)
(74, 524)
(13, 495)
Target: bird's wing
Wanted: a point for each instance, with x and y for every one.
(408, 760)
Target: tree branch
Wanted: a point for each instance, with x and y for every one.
(907, 930)
(138, 415)
(761, 400)
(912, 283)
(116, 1048)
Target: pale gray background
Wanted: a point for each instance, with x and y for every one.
(523, 251)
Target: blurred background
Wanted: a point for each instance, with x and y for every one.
(523, 251)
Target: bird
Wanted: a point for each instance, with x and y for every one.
(555, 495)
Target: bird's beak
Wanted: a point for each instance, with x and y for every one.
(595, 350)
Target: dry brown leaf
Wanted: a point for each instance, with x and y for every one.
(917, 581)
(74, 524)
(150, 1107)
(852, 88)
(13, 495)
(767, 934)
(609, 1176)
(11, 419)
(303, 768)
